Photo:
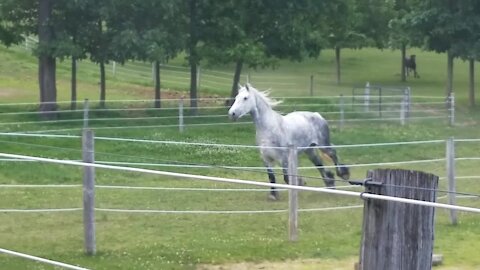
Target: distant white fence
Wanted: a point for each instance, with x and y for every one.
(135, 114)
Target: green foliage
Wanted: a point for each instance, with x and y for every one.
(448, 26)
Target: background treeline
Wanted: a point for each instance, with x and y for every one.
(248, 33)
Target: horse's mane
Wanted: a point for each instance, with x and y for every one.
(265, 96)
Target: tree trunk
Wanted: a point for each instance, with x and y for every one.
(449, 73)
(236, 80)
(404, 54)
(46, 63)
(337, 63)
(193, 59)
(471, 92)
(156, 70)
(102, 85)
(73, 104)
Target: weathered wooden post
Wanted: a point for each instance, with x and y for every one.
(292, 194)
(180, 115)
(89, 192)
(450, 158)
(397, 235)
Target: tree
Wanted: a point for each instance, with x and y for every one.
(47, 62)
(342, 30)
(26, 17)
(372, 21)
(74, 21)
(258, 33)
(448, 26)
(401, 35)
(99, 41)
(194, 34)
(148, 30)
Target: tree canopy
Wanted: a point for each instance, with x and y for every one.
(244, 32)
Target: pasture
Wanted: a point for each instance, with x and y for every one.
(188, 240)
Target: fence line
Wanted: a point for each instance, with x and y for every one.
(194, 117)
(150, 188)
(39, 259)
(40, 210)
(361, 195)
(223, 99)
(221, 145)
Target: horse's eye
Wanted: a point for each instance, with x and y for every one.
(245, 98)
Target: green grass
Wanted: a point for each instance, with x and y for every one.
(183, 241)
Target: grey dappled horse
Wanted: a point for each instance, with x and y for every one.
(301, 129)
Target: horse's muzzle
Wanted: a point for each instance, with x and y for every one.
(233, 116)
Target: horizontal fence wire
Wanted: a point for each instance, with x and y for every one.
(39, 259)
(249, 182)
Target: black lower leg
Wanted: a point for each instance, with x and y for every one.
(327, 175)
(341, 169)
(271, 177)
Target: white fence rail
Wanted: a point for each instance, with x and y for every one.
(245, 182)
(42, 260)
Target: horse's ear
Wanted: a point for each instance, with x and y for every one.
(247, 86)
(239, 86)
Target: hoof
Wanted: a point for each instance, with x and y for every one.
(343, 172)
(273, 197)
(329, 175)
(330, 184)
(301, 181)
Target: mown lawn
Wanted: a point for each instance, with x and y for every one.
(183, 241)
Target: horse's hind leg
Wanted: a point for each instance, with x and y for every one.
(342, 170)
(273, 192)
(327, 176)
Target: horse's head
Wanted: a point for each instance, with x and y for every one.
(244, 102)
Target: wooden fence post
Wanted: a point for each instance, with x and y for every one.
(407, 93)
(451, 109)
(180, 115)
(89, 192)
(450, 158)
(292, 194)
(397, 235)
(402, 111)
(342, 111)
(366, 97)
(85, 113)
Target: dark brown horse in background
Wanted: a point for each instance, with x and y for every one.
(411, 66)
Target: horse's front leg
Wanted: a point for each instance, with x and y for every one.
(286, 176)
(271, 177)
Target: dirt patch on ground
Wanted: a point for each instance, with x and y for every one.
(308, 264)
(6, 92)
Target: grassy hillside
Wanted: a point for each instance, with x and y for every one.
(133, 80)
(185, 241)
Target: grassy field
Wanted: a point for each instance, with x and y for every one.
(328, 239)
